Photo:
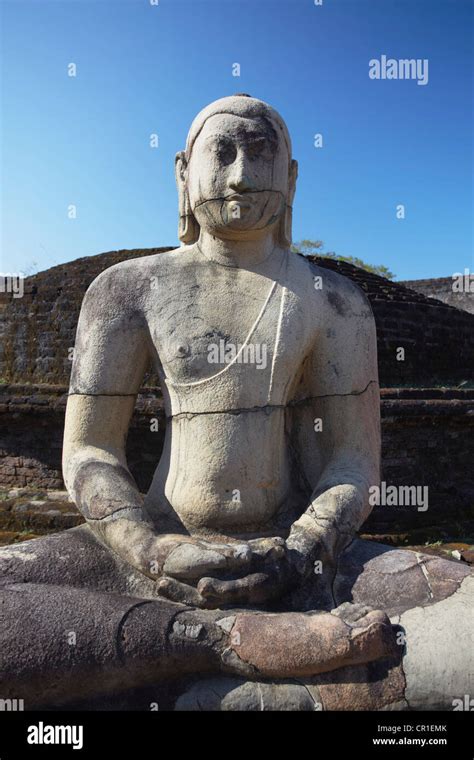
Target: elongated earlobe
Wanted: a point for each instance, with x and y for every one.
(188, 228)
(285, 236)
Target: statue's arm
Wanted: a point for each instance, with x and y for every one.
(111, 354)
(343, 385)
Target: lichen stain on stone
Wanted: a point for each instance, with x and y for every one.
(337, 302)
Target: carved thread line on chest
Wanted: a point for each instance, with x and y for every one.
(292, 403)
(176, 384)
(240, 351)
(205, 385)
(269, 408)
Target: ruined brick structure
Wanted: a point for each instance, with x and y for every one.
(442, 289)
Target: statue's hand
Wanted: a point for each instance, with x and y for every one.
(312, 558)
(183, 557)
(210, 574)
(194, 571)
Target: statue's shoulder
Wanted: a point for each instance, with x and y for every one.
(140, 264)
(340, 293)
(124, 279)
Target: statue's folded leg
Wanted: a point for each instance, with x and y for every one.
(75, 558)
(377, 685)
(345, 660)
(60, 644)
(71, 629)
(395, 580)
(431, 600)
(76, 623)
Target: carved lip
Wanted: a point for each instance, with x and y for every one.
(239, 197)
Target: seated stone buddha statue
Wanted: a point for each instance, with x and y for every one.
(238, 581)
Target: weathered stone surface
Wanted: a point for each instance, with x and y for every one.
(60, 644)
(376, 686)
(237, 695)
(439, 658)
(74, 558)
(395, 580)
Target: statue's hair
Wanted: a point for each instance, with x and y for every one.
(245, 106)
(239, 105)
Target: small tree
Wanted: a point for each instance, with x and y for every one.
(313, 248)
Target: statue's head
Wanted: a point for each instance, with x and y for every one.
(236, 179)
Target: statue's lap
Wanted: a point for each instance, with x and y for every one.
(382, 577)
(394, 580)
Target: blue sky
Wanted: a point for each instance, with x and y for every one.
(144, 69)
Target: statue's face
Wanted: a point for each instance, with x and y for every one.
(237, 177)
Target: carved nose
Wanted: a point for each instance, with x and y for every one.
(240, 180)
(241, 185)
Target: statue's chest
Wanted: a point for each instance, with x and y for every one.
(247, 334)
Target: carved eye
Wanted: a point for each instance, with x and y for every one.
(226, 153)
(256, 148)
